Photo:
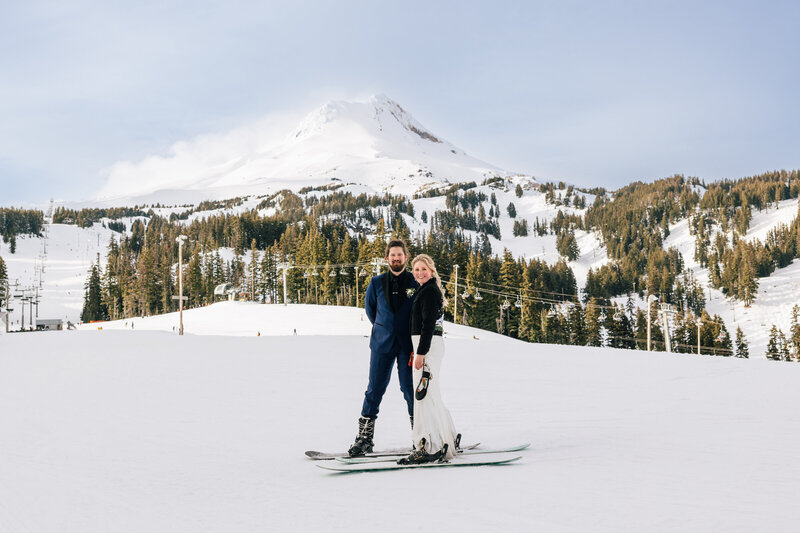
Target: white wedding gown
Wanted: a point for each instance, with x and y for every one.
(432, 420)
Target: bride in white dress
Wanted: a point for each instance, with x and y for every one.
(433, 425)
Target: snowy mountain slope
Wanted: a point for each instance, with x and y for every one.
(531, 206)
(71, 249)
(62, 289)
(148, 431)
(66, 253)
(376, 143)
(777, 294)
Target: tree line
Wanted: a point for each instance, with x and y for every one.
(15, 222)
(783, 347)
(526, 299)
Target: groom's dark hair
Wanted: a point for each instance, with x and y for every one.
(396, 243)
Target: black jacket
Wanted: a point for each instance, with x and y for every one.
(389, 326)
(425, 312)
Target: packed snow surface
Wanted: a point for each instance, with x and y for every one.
(116, 429)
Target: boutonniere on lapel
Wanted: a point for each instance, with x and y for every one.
(410, 293)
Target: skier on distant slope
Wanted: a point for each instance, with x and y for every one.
(388, 306)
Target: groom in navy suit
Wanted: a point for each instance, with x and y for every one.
(388, 307)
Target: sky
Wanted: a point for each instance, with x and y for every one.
(591, 93)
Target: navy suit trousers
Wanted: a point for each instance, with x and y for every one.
(380, 373)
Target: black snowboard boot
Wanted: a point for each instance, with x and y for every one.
(422, 387)
(363, 443)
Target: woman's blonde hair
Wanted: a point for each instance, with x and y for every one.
(425, 258)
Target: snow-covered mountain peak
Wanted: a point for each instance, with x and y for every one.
(375, 143)
(374, 116)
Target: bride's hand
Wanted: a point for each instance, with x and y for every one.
(418, 360)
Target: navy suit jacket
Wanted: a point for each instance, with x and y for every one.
(388, 326)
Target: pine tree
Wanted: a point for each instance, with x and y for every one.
(620, 329)
(512, 210)
(773, 348)
(193, 279)
(528, 326)
(577, 325)
(216, 271)
(742, 349)
(167, 283)
(518, 191)
(567, 245)
(593, 324)
(545, 334)
(110, 282)
(483, 312)
(641, 329)
(328, 284)
(137, 236)
(3, 283)
(657, 342)
(237, 236)
(747, 283)
(345, 255)
(794, 332)
(269, 276)
(253, 281)
(720, 338)
(93, 308)
(783, 347)
(510, 276)
(148, 287)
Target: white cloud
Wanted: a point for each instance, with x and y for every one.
(191, 163)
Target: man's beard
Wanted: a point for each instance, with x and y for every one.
(397, 267)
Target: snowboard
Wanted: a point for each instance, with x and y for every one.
(382, 467)
(392, 452)
(461, 451)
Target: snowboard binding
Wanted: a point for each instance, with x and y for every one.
(420, 456)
